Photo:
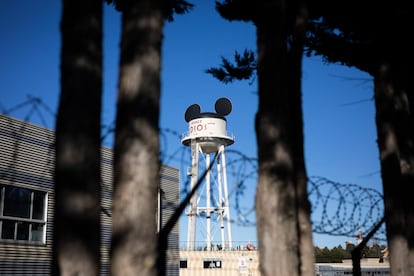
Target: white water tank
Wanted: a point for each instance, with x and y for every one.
(208, 128)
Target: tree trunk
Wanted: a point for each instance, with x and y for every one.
(305, 247)
(76, 243)
(395, 121)
(136, 149)
(282, 205)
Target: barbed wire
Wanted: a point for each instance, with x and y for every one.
(337, 209)
(343, 209)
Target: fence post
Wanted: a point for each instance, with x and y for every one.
(356, 252)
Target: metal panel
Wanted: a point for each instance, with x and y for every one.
(27, 160)
(170, 200)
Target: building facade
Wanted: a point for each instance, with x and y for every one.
(240, 262)
(27, 200)
(369, 267)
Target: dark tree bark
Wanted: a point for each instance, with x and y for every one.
(395, 128)
(136, 149)
(374, 39)
(76, 244)
(282, 205)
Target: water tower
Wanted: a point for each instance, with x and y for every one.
(207, 135)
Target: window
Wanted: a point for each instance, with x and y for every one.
(211, 263)
(183, 263)
(22, 214)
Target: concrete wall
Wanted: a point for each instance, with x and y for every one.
(226, 263)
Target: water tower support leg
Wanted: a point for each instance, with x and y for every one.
(193, 202)
(226, 197)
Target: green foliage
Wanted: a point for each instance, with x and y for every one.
(374, 251)
(373, 33)
(338, 254)
(244, 68)
(325, 255)
(170, 7)
(238, 10)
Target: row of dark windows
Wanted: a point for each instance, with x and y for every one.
(207, 263)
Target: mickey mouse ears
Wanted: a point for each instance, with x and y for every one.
(192, 112)
(223, 107)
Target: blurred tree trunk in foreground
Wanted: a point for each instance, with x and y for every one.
(136, 148)
(395, 127)
(375, 40)
(76, 244)
(282, 204)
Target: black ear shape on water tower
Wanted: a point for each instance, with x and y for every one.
(192, 112)
(223, 106)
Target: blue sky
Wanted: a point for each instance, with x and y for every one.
(339, 115)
